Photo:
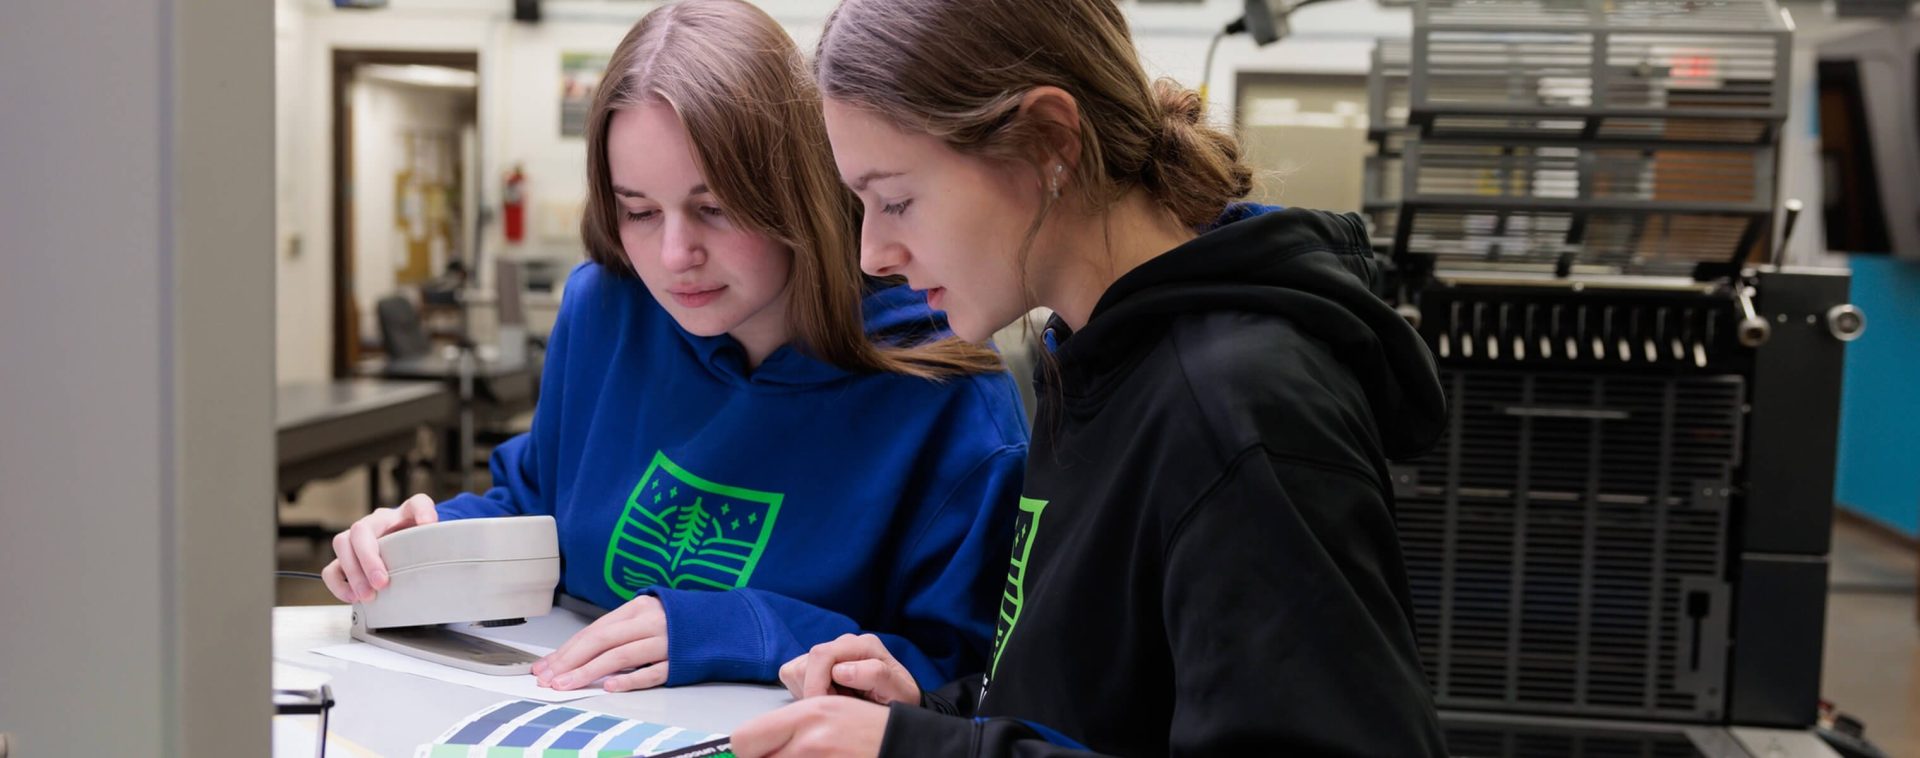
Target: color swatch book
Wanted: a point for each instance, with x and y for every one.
(528, 729)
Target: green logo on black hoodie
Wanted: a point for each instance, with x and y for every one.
(1025, 527)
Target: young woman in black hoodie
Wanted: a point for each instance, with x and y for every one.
(1205, 560)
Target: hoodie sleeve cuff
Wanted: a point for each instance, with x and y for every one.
(468, 505)
(715, 636)
(920, 733)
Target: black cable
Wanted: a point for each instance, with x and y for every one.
(1239, 26)
(1302, 4)
(296, 575)
(1206, 74)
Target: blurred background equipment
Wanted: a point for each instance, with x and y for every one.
(1621, 544)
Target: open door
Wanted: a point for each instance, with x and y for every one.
(405, 136)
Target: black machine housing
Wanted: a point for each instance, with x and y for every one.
(1629, 516)
(1620, 545)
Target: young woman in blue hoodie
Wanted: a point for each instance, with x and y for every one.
(1205, 560)
(749, 448)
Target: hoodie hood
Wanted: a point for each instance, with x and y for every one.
(896, 314)
(892, 314)
(1313, 268)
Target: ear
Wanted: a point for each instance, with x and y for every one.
(1057, 115)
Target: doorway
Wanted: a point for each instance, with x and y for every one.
(406, 161)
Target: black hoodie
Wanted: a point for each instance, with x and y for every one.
(1206, 561)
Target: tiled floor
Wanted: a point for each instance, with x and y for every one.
(1873, 641)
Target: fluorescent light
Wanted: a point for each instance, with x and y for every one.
(424, 76)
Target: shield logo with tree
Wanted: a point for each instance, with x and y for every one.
(681, 531)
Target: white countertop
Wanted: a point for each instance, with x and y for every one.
(390, 713)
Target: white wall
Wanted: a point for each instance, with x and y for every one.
(303, 275)
(136, 393)
(519, 106)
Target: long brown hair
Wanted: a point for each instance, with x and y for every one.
(958, 70)
(742, 90)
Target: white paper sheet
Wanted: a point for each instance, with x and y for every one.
(287, 676)
(521, 686)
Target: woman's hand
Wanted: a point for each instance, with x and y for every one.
(840, 727)
(357, 572)
(855, 665)
(633, 636)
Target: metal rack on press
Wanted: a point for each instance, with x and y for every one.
(1583, 136)
(1652, 331)
(1387, 129)
(1579, 198)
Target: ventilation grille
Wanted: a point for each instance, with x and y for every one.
(1722, 15)
(1682, 70)
(1566, 543)
(1503, 742)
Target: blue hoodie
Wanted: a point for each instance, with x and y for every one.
(769, 510)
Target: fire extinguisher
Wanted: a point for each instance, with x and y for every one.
(514, 206)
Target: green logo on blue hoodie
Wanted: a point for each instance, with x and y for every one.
(681, 531)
